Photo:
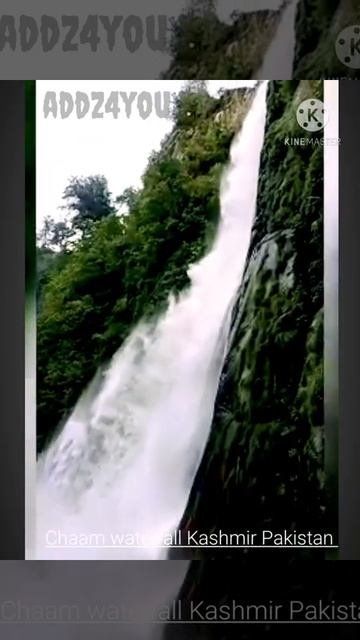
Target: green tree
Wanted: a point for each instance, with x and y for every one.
(89, 199)
(128, 198)
(56, 235)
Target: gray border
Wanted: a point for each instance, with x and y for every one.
(12, 295)
(349, 335)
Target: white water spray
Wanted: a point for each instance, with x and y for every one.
(122, 468)
(279, 59)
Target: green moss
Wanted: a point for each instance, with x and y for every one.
(263, 465)
(319, 23)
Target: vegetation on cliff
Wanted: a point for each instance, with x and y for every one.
(102, 272)
(318, 25)
(202, 46)
(263, 466)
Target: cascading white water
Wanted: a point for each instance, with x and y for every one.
(125, 461)
(279, 59)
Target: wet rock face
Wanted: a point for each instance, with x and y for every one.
(318, 25)
(263, 465)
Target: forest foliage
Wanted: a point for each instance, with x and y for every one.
(101, 271)
(203, 46)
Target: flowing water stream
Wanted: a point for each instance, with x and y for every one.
(116, 479)
(279, 59)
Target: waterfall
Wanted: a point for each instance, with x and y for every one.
(124, 463)
(279, 59)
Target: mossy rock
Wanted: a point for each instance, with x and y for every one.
(263, 464)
